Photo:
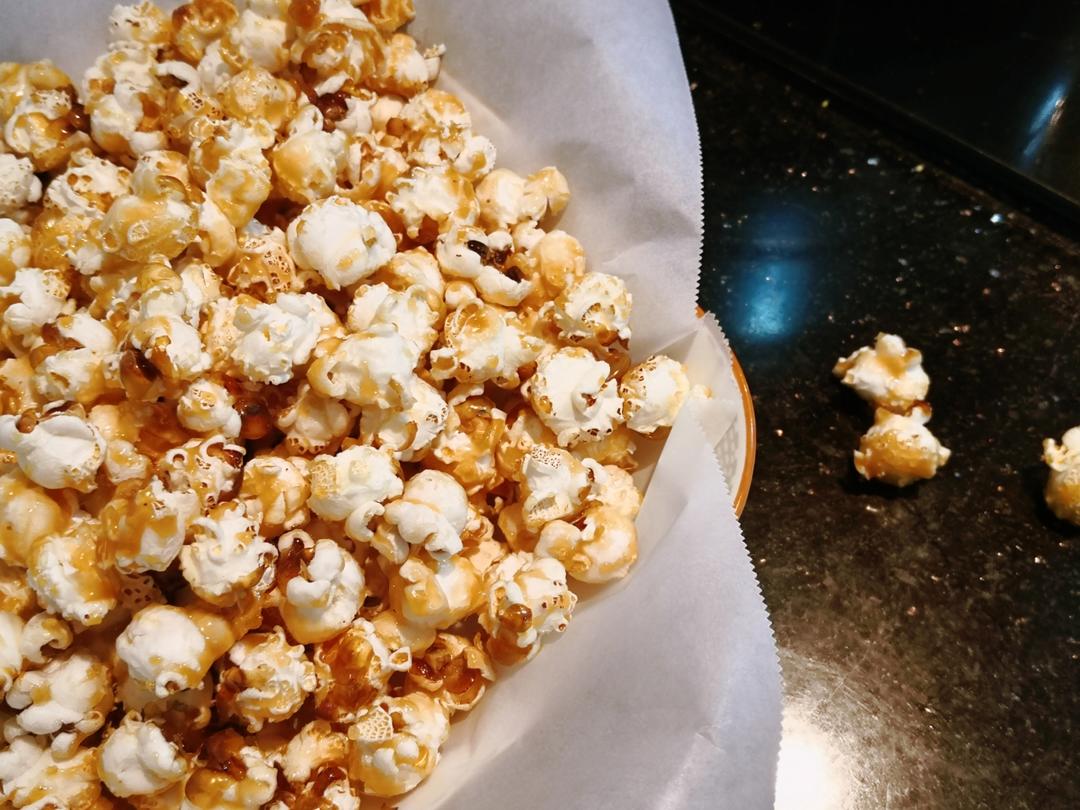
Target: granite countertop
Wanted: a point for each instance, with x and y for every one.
(928, 636)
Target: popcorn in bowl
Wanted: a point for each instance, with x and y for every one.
(310, 419)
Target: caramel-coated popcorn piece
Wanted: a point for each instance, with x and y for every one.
(396, 745)
(1063, 485)
(889, 375)
(900, 450)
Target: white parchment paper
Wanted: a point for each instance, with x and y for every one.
(664, 692)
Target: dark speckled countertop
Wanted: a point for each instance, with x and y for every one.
(928, 636)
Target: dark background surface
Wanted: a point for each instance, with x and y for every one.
(928, 637)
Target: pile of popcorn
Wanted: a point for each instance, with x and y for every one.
(899, 448)
(311, 419)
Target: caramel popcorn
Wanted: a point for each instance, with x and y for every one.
(1063, 485)
(889, 375)
(396, 745)
(309, 413)
(899, 449)
(266, 679)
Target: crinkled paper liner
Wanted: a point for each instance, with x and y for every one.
(665, 690)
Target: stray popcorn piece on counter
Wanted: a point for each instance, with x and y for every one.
(1063, 485)
(900, 450)
(889, 375)
(311, 418)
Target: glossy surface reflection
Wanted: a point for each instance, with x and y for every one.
(929, 638)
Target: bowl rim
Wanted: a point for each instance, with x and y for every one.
(750, 428)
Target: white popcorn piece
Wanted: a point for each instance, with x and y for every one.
(235, 776)
(34, 298)
(407, 432)
(217, 240)
(67, 699)
(404, 70)
(19, 186)
(354, 670)
(209, 467)
(275, 492)
(65, 573)
(889, 375)
(58, 450)
(439, 194)
(523, 430)
(11, 660)
(88, 186)
(276, 338)
(315, 424)
(367, 368)
(601, 550)
(315, 746)
(39, 127)
(431, 513)
(207, 407)
(199, 285)
(254, 39)
(168, 649)
(554, 485)
(74, 368)
(341, 241)
(136, 759)
(454, 671)
(266, 680)
(434, 593)
(113, 89)
(147, 527)
(396, 745)
(572, 395)
(122, 459)
(27, 513)
(437, 126)
(323, 586)
(468, 253)
(226, 559)
(527, 601)
(653, 393)
(481, 342)
(141, 22)
(1063, 484)
(594, 311)
(42, 631)
(352, 486)
(172, 346)
(900, 450)
(476, 158)
(409, 312)
(357, 118)
(28, 764)
(614, 487)
(229, 162)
